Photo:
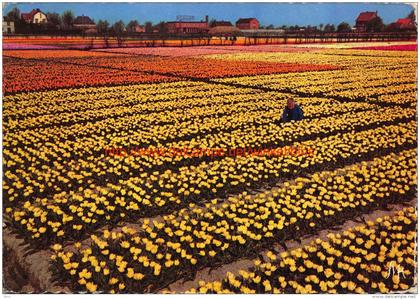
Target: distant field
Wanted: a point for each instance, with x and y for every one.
(76, 42)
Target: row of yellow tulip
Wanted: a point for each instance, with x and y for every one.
(64, 100)
(100, 133)
(336, 78)
(151, 114)
(73, 214)
(95, 98)
(343, 58)
(352, 83)
(31, 165)
(192, 111)
(89, 171)
(401, 98)
(356, 84)
(134, 259)
(378, 257)
(369, 92)
(182, 124)
(350, 45)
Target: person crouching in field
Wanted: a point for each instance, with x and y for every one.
(292, 111)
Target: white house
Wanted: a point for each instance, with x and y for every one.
(8, 26)
(36, 16)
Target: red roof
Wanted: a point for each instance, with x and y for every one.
(405, 21)
(29, 16)
(366, 16)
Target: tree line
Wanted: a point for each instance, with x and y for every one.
(65, 22)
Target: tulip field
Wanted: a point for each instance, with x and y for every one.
(339, 217)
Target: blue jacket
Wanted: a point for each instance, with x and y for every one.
(292, 114)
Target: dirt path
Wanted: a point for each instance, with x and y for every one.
(26, 272)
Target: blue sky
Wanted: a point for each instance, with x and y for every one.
(267, 13)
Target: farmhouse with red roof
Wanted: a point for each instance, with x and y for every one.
(36, 16)
(248, 24)
(406, 24)
(364, 18)
(187, 27)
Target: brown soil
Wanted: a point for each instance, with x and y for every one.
(24, 271)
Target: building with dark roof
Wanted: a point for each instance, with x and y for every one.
(221, 23)
(248, 24)
(364, 19)
(83, 20)
(85, 24)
